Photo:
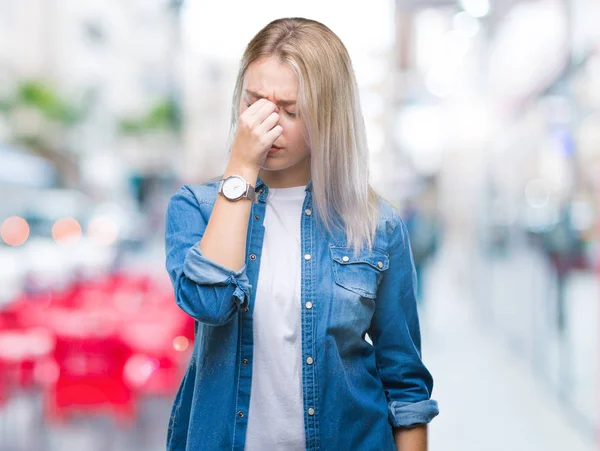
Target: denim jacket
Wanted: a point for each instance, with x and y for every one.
(353, 391)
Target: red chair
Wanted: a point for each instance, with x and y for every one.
(90, 377)
(20, 351)
(108, 341)
(160, 351)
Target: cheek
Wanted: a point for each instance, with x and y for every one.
(291, 128)
(295, 132)
(290, 131)
(297, 137)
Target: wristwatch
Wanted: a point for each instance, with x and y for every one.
(234, 188)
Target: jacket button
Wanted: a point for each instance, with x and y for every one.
(309, 360)
(245, 362)
(308, 212)
(245, 309)
(380, 264)
(256, 217)
(311, 411)
(240, 414)
(308, 305)
(307, 257)
(345, 258)
(252, 256)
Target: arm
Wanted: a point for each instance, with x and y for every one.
(224, 239)
(200, 255)
(396, 338)
(413, 439)
(205, 289)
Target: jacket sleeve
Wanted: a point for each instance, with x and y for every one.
(396, 337)
(204, 289)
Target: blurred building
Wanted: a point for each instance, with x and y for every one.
(115, 63)
(498, 101)
(208, 90)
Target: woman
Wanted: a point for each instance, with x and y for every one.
(287, 262)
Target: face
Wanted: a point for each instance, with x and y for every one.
(267, 78)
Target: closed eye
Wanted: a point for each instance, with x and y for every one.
(287, 112)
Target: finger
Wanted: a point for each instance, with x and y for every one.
(255, 107)
(274, 133)
(268, 123)
(264, 112)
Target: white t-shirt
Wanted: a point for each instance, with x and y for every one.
(276, 413)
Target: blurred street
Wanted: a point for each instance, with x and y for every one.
(490, 396)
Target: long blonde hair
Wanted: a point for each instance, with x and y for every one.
(329, 104)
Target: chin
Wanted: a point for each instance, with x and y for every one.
(275, 164)
(281, 162)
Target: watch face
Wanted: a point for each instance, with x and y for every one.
(234, 187)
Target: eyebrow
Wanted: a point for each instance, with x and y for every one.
(279, 102)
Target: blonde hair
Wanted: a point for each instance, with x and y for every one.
(329, 104)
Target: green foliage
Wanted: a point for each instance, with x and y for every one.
(44, 98)
(163, 116)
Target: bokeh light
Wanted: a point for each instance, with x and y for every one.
(180, 343)
(66, 230)
(14, 231)
(138, 369)
(103, 230)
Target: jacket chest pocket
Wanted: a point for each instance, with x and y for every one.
(361, 274)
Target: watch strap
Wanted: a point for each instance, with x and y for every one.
(251, 193)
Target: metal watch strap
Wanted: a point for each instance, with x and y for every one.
(250, 192)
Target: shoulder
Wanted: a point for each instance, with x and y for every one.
(391, 220)
(192, 202)
(204, 193)
(389, 216)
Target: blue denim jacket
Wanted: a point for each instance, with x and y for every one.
(353, 392)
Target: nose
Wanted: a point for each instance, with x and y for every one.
(272, 100)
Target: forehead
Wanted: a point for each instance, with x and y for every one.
(270, 78)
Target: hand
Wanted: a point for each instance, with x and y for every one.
(256, 131)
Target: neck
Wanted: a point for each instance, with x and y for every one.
(286, 178)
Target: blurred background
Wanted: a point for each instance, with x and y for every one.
(483, 121)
